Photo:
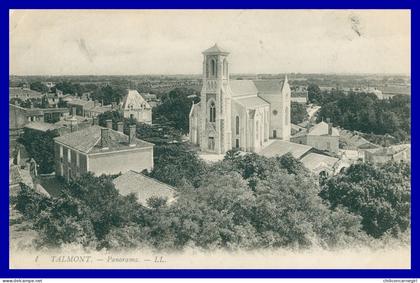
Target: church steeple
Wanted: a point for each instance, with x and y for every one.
(215, 63)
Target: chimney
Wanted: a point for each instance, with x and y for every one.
(329, 126)
(132, 135)
(95, 120)
(73, 111)
(109, 123)
(104, 138)
(120, 127)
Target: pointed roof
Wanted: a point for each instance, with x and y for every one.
(133, 100)
(215, 49)
(321, 129)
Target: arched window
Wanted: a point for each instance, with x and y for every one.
(212, 112)
(213, 67)
(287, 115)
(237, 125)
(225, 68)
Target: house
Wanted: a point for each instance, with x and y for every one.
(136, 107)
(318, 163)
(279, 148)
(143, 187)
(381, 155)
(24, 93)
(44, 127)
(101, 150)
(242, 114)
(81, 105)
(322, 136)
(151, 98)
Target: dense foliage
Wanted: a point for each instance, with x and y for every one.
(380, 195)
(40, 147)
(176, 107)
(298, 112)
(366, 113)
(245, 201)
(38, 86)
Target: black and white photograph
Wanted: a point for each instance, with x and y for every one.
(210, 139)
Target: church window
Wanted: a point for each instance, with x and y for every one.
(237, 125)
(237, 143)
(287, 115)
(225, 68)
(212, 112)
(213, 67)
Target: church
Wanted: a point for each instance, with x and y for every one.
(242, 114)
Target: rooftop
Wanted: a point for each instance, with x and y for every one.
(143, 187)
(243, 88)
(215, 49)
(252, 102)
(23, 93)
(279, 148)
(88, 140)
(42, 126)
(269, 86)
(255, 87)
(321, 129)
(133, 100)
(317, 162)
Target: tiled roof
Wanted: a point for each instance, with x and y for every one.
(242, 88)
(317, 162)
(268, 86)
(100, 109)
(81, 102)
(215, 49)
(321, 129)
(135, 101)
(23, 93)
(87, 140)
(251, 102)
(279, 148)
(143, 187)
(42, 126)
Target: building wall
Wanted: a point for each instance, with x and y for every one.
(17, 118)
(77, 162)
(141, 115)
(121, 161)
(280, 124)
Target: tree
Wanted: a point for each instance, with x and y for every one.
(38, 86)
(298, 112)
(175, 108)
(379, 194)
(175, 165)
(40, 146)
(314, 94)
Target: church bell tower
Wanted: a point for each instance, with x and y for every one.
(216, 133)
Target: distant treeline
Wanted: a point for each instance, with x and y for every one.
(365, 112)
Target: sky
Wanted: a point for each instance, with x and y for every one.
(141, 42)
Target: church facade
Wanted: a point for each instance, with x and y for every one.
(242, 114)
